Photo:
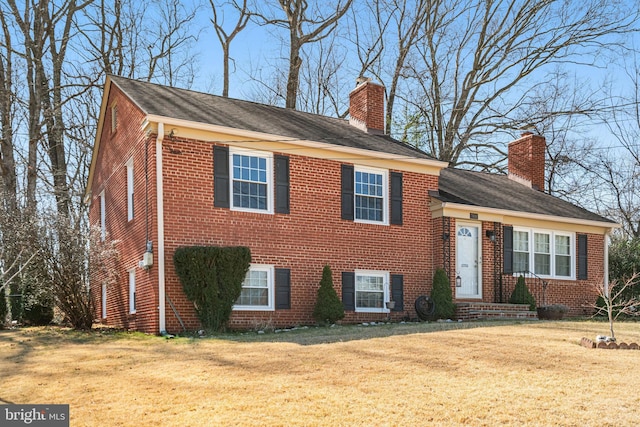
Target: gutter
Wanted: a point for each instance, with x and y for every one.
(160, 206)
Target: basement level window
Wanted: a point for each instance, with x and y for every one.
(257, 289)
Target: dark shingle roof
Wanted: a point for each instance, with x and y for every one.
(210, 109)
(499, 192)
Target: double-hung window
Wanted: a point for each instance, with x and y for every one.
(520, 251)
(251, 181)
(551, 253)
(372, 290)
(371, 198)
(257, 289)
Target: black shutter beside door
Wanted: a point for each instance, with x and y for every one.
(507, 233)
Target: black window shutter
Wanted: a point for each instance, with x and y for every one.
(282, 184)
(396, 198)
(507, 245)
(347, 192)
(221, 177)
(349, 290)
(582, 257)
(397, 291)
(283, 288)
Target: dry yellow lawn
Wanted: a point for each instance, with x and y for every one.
(511, 374)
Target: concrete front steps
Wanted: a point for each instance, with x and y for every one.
(493, 311)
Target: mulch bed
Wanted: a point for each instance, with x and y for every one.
(586, 342)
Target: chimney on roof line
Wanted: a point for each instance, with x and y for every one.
(366, 106)
(526, 160)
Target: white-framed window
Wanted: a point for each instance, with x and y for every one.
(371, 195)
(130, 189)
(520, 250)
(132, 291)
(104, 301)
(372, 290)
(251, 180)
(257, 289)
(546, 253)
(114, 117)
(103, 217)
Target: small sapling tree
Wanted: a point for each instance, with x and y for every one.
(617, 298)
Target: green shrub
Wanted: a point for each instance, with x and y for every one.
(442, 296)
(38, 315)
(328, 306)
(521, 294)
(212, 279)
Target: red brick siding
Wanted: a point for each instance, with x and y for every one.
(110, 175)
(304, 241)
(527, 159)
(366, 105)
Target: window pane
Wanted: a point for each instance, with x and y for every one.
(520, 261)
(249, 182)
(541, 243)
(369, 291)
(563, 245)
(369, 196)
(563, 265)
(255, 289)
(543, 264)
(521, 241)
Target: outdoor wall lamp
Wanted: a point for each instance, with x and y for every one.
(491, 235)
(458, 281)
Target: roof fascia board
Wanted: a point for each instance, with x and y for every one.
(168, 121)
(96, 143)
(442, 209)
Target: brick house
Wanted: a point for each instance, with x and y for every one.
(173, 168)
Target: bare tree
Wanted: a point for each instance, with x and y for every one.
(225, 37)
(476, 57)
(618, 299)
(305, 25)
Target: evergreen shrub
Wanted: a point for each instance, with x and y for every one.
(212, 279)
(521, 294)
(328, 308)
(442, 296)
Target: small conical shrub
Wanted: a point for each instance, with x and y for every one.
(328, 306)
(442, 296)
(521, 294)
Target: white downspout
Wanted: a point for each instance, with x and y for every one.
(160, 204)
(606, 261)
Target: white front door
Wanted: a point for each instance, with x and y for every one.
(468, 262)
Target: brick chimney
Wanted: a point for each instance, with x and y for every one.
(366, 106)
(526, 160)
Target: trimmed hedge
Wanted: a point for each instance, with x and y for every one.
(328, 306)
(212, 279)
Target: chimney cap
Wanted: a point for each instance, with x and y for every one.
(362, 80)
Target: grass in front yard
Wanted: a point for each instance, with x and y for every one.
(534, 373)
